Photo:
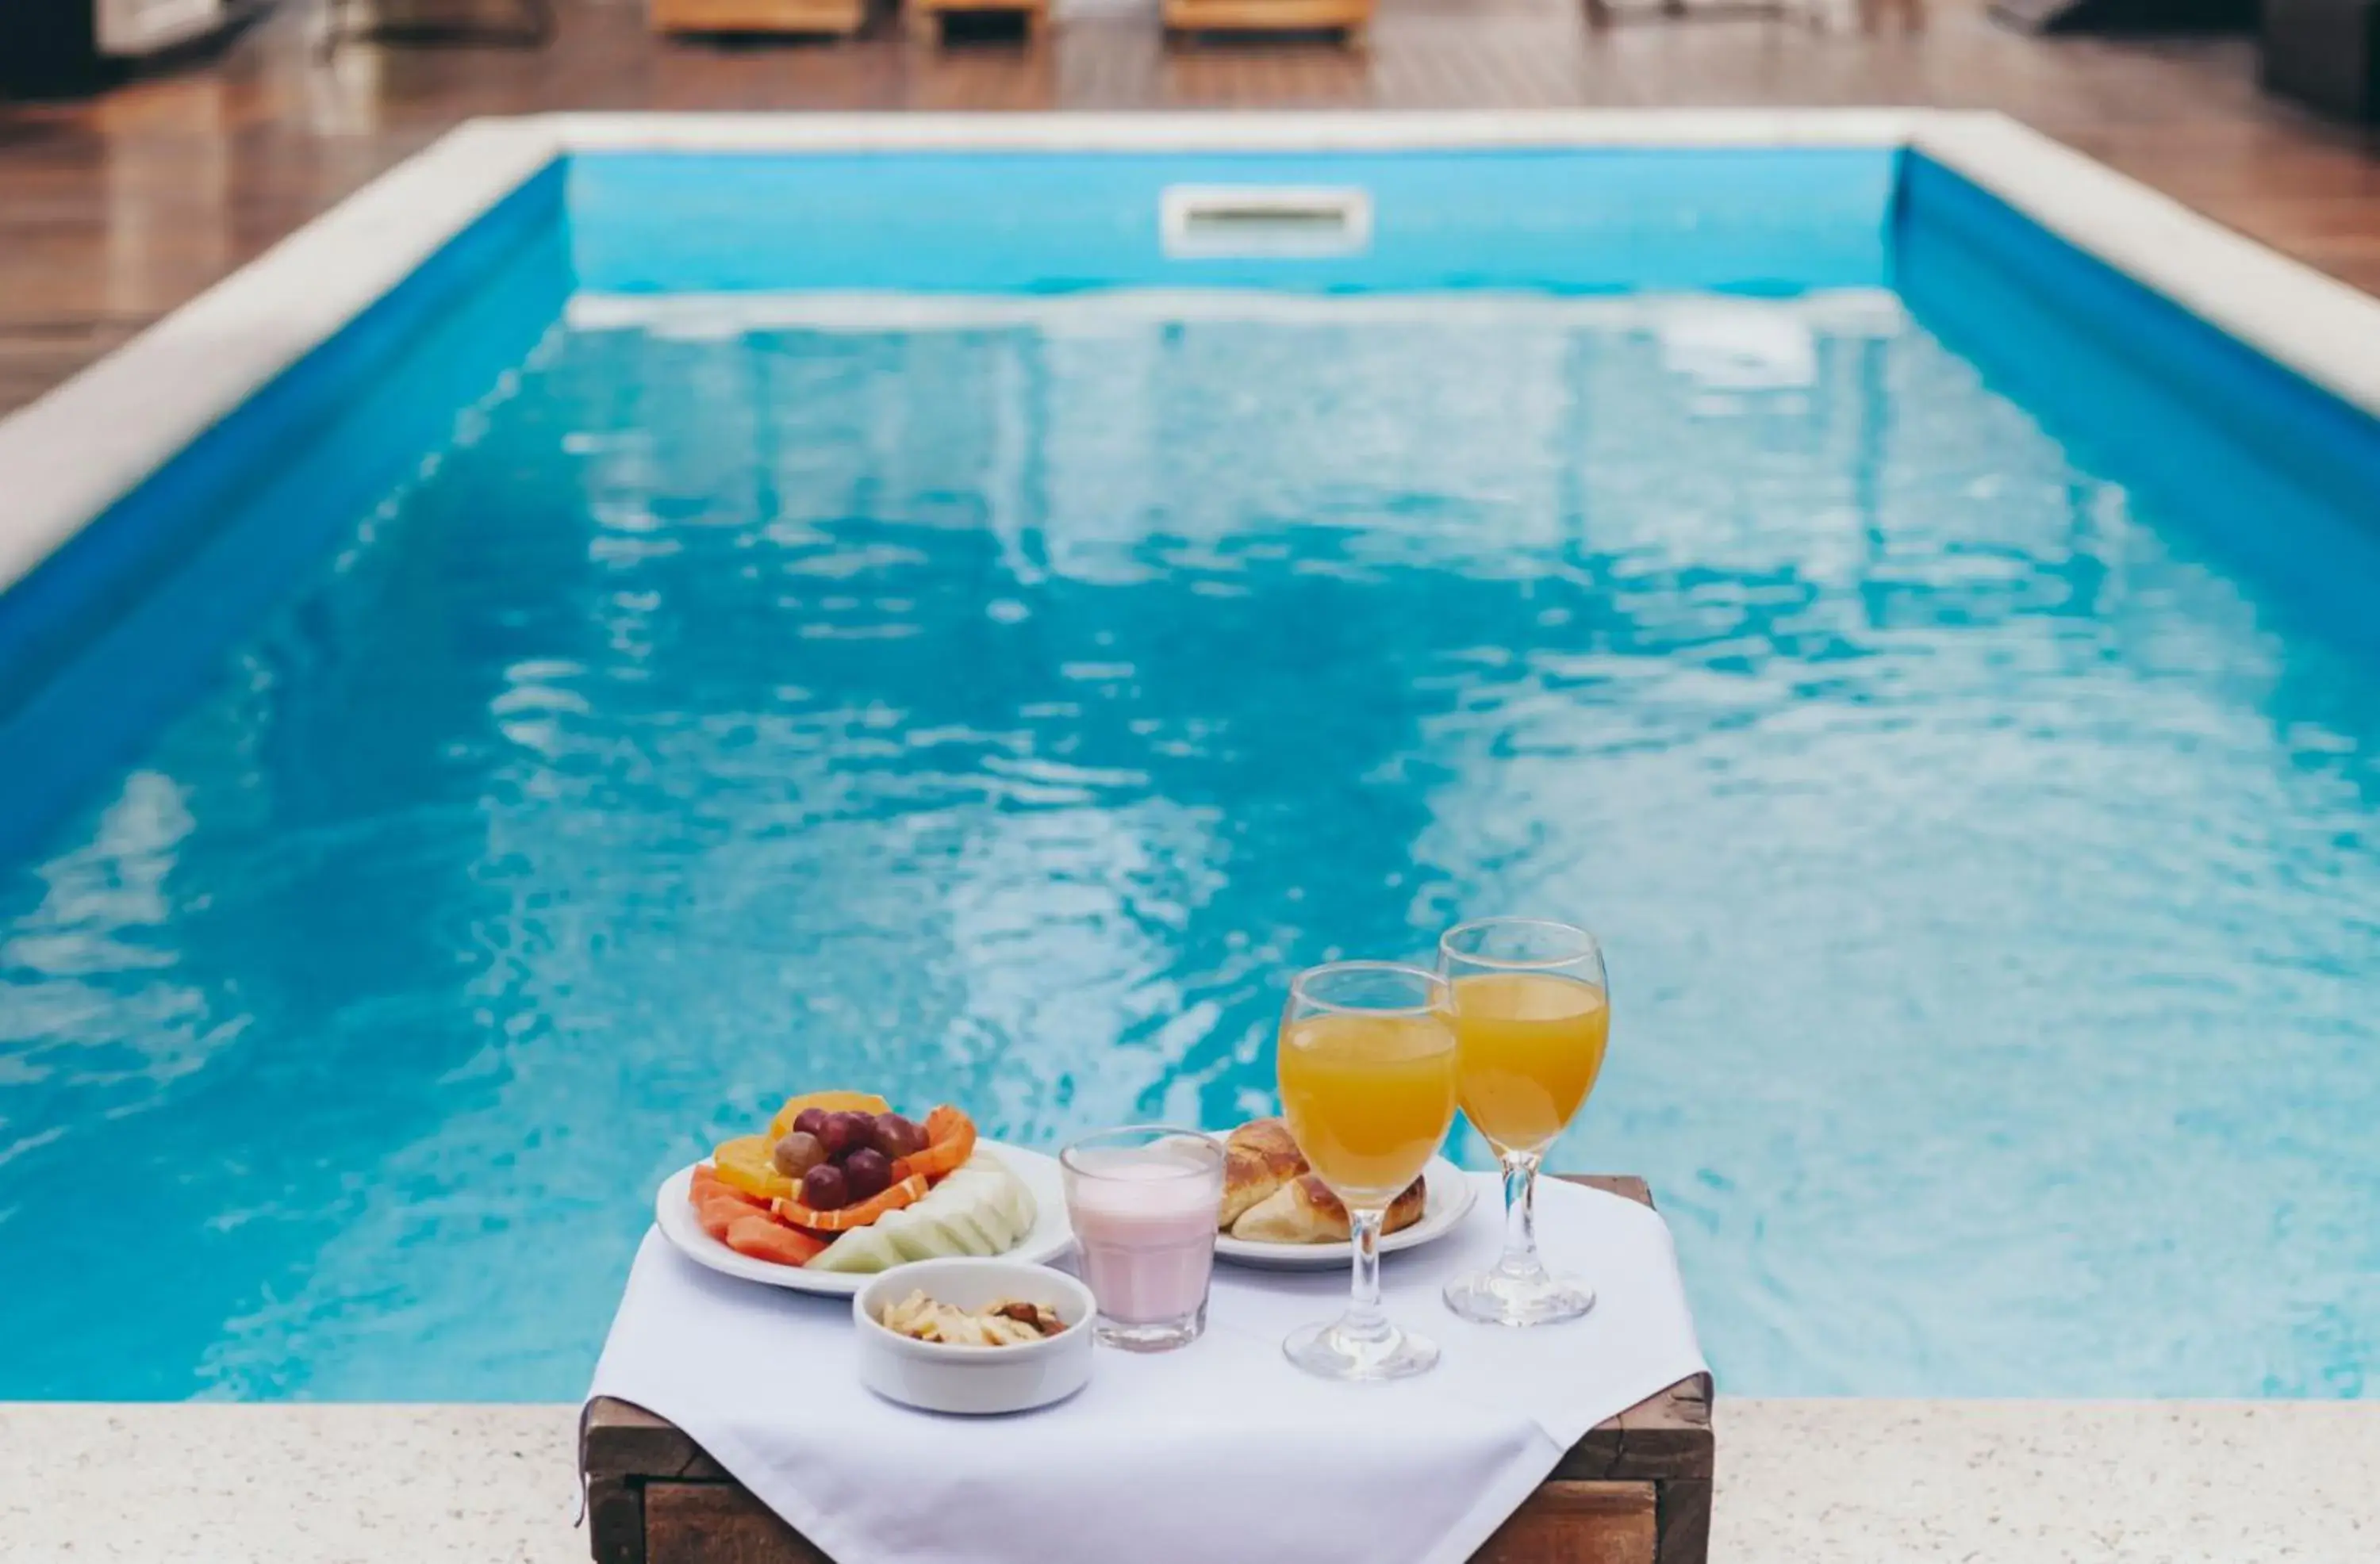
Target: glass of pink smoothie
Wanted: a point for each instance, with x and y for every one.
(1143, 1202)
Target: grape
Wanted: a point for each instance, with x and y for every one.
(845, 1133)
(797, 1154)
(867, 1174)
(896, 1136)
(824, 1188)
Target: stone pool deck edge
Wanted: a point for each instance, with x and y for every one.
(1800, 1481)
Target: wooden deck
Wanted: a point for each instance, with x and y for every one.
(115, 210)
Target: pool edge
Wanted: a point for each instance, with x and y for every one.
(75, 452)
(1800, 1481)
(2326, 330)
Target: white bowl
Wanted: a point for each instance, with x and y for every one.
(936, 1377)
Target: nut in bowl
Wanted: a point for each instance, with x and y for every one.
(1022, 1371)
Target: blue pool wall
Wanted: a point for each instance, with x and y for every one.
(2278, 478)
(120, 628)
(126, 623)
(1592, 220)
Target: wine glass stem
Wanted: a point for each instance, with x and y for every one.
(1521, 1215)
(1364, 1322)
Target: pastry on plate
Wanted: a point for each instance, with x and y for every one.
(1271, 1196)
(1258, 1158)
(1305, 1211)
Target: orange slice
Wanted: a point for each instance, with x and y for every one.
(833, 1102)
(908, 1192)
(745, 1166)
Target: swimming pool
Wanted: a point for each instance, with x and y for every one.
(743, 616)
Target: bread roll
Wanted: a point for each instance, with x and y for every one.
(1305, 1211)
(1258, 1158)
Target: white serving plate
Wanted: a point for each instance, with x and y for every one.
(1050, 1237)
(1448, 1192)
(974, 1381)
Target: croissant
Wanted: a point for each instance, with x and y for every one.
(1258, 1158)
(1305, 1211)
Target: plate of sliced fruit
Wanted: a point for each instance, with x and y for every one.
(839, 1188)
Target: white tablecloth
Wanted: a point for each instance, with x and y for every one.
(1220, 1451)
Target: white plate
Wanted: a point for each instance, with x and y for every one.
(1051, 1236)
(1448, 1192)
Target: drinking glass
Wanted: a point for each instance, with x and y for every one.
(1143, 1201)
(1368, 1068)
(1531, 1016)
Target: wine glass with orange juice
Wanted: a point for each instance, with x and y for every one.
(1367, 1084)
(1532, 1017)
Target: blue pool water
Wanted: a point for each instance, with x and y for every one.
(1980, 806)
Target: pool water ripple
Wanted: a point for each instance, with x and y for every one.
(1990, 878)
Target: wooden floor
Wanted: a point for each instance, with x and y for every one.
(114, 211)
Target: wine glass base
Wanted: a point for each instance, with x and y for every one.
(1330, 1353)
(1500, 1298)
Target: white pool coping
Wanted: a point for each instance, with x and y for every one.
(1800, 1482)
(66, 457)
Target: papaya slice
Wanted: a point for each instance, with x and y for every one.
(718, 1203)
(765, 1238)
(833, 1102)
(708, 1186)
(719, 1213)
(747, 1166)
(950, 1141)
(908, 1192)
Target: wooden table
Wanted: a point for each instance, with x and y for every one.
(1636, 1490)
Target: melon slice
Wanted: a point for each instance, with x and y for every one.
(862, 1251)
(982, 1209)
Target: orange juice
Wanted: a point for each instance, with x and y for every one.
(1368, 1099)
(1532, 1045)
